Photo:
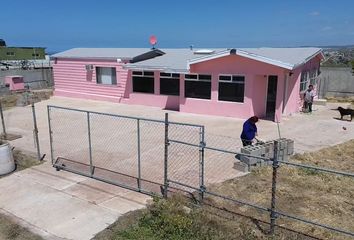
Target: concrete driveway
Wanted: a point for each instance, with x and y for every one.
(65, 205)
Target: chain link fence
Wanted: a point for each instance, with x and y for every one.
(161, 157)
(15, 128)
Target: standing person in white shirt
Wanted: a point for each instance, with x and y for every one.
(308, 98)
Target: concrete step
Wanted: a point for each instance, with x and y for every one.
(321, 102)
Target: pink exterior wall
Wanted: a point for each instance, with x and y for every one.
(73, 80)
(149, 99)
(255, 73)
(154, 100)
(259, 95)
(294, 101)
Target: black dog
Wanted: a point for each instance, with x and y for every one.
(344, 112)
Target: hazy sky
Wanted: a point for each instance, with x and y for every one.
(63, 24)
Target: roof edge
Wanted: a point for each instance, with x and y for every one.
(309, 58)
(159, 68)
(90, 58)
(263, 59)
(209, 57)
(253, 56)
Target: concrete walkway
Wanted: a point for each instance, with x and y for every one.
(61, 205)
(67, 206)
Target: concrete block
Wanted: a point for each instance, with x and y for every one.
(246, 159)
(240, 166)
(290, 146)
(269, 149)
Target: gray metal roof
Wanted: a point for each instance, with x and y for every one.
(179, 58)
(293, 56)
(110, 53)
(174, 60)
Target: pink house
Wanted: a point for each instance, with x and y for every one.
(267, 82)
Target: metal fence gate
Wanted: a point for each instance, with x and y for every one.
(157, 157)
(185, 163)
(126, 151)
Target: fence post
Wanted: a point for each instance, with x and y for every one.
(201, 163)
(35, 132)
(89, 142)
(166, 158)
(275, 166)
(2, 120)
(50, 136)
(139, 163)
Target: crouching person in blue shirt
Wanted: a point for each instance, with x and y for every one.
(249, 131)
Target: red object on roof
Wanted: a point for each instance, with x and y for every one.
(153, 40)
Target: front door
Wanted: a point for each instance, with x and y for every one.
(271, 96)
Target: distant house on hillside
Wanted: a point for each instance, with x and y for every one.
(225, 82)
(20, 53)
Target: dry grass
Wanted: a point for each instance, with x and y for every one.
(342, 100)
(9, 230)
(15, 99)
(9, 101)
(320, 197)
(24, 161)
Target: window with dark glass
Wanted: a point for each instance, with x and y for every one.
(197, 86)
(106, 75)
(143, 81)
(231, 88)
(169, 83)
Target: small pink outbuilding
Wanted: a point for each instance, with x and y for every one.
(15, 83)
(267, 82)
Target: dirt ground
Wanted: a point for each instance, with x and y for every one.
(70, 137)
(323, 198)
(310, 132)
(342, 100)
(10, 230)
(320, 197)
(23, 160)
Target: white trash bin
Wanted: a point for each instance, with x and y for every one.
(7, 163)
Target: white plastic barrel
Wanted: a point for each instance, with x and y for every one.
(7, 163)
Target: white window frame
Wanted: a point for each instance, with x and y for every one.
(313, 77)
(143, 75)
(198, 79)
(170, 75)
(235, 82)
(107, 84)
(304, 84)
(186, 79)
(231, 76)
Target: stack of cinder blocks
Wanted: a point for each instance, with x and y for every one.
(266, 150)
(286, 148)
